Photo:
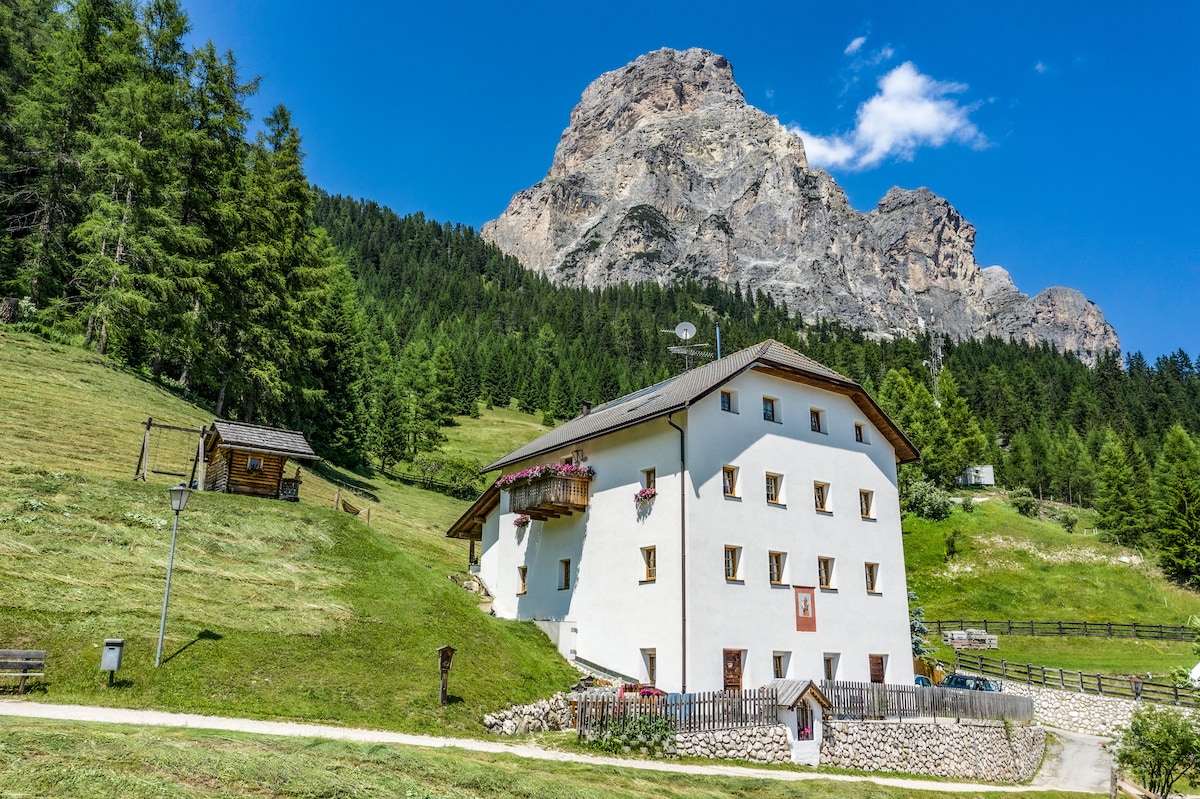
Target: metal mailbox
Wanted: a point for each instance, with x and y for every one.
(110, 659)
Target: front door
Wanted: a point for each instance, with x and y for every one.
(733, 669)
(877, 668)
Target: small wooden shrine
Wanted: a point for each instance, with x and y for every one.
(249, 459)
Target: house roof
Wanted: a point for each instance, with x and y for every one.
(269, 440)
(788, 693)
(681, 391)
(470, 525)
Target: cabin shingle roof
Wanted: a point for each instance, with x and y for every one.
(264, 439)
(678, 392)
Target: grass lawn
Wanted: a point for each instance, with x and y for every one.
(1122, 657)
(278, 610)
(81, 761)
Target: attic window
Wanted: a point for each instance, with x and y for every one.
(254, 464)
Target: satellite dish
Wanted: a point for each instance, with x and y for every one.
(685, 330)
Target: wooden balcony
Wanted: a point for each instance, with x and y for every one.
(549, 497)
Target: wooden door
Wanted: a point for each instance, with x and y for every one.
(877, 668)
(733, 669)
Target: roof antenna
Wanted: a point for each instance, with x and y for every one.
(685, 331)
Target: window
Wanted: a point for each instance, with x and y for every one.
(825, 572)
(820, 495)
(522, 574)
(864, 503)
(831, 664)
(804, 722)
(878, 667)
(775, 561)
(648, 478)
(770, 412)
(650, 658)
(816, 420)
(732, 556)
(729, 480)
(774, 488)
(872, 575)
(650, 560)
(779, 664)
(729, 401)
(253, 464)
(858, 434)
(564, 574)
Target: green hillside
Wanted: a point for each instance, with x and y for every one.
(1009, 566)
(277, 609)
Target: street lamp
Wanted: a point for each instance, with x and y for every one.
(179, 498)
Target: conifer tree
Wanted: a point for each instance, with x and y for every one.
(1121, 514)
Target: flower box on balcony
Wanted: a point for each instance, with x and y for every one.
(548, 491)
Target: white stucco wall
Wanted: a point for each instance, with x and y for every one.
(610, 615)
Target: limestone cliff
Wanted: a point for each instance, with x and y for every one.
(666, 173)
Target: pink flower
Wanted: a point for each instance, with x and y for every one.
(521, 521)
(645, 495)
(546, 470)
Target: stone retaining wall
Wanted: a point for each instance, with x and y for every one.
(547, 714)
(768, 744)
(1071, 710)
(980, 750)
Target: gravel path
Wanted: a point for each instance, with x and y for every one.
(156, 718)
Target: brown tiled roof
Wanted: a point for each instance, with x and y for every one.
(270, 440)
(681, 391)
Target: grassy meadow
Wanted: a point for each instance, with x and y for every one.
(278, 610)
(87, 761)
(1009, 566)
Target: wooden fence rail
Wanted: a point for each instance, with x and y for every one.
(1098, 684)
(1091, 629)
(716, 710)
(858, 701)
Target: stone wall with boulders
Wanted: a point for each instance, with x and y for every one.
(980, 750)
(766, 744)
(547, 714)
(1071, 710)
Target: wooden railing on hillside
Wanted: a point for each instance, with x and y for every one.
(859, 701)
(1091, 629)
(714, 710)
(1061, 679)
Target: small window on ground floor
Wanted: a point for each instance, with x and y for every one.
(564, 574)
(650, 564)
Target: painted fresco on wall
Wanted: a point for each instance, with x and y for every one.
(806, 609)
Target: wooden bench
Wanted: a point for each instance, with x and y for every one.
(21, 664)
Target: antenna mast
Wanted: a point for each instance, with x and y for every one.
(684, 331)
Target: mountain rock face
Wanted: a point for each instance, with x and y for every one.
(665, 173)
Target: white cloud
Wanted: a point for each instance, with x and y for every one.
(1040, 67)
(911, 110)
(770, 94)
(855, 45)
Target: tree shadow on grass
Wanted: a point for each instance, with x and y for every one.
(203, 635)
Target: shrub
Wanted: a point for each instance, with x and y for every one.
(1159, 747)
(1022, 499)
(927, 501)
(1068, 519)
(968, 505)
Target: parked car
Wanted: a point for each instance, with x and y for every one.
(923, 681)
(969, 682)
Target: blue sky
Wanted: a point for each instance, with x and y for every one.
(1065, 132)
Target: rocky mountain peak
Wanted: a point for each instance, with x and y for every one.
(665, 173)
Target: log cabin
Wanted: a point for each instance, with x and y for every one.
(249, 459)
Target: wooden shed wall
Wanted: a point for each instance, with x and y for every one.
(216, 471)
(260, 483)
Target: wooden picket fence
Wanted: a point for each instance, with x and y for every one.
(1091, 629)
(1098, 684)
(714, 710)
(858, 701)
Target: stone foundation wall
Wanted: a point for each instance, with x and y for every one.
(767, 744)
(548, 714)
(982, 750)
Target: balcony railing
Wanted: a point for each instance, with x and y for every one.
(549, 497)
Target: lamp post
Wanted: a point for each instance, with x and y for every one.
(179, 498)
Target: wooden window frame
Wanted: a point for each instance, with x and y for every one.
(775, 565)
(871, 576)
(728, 402)
(816, 420)
(729, 480)
(651, 658)
(564, 574)
(821, 496)
(733, 557)
(829, 663)
(649, 564)
(649, 478)
(774, 488)
(523, 578)
(866, 503)
(779, 665)
(770, 407)
(860, 435)
(825, 573)
(254, 463)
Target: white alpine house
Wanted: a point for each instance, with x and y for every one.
(770, 549)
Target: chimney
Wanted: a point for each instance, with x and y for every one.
(587, 408)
